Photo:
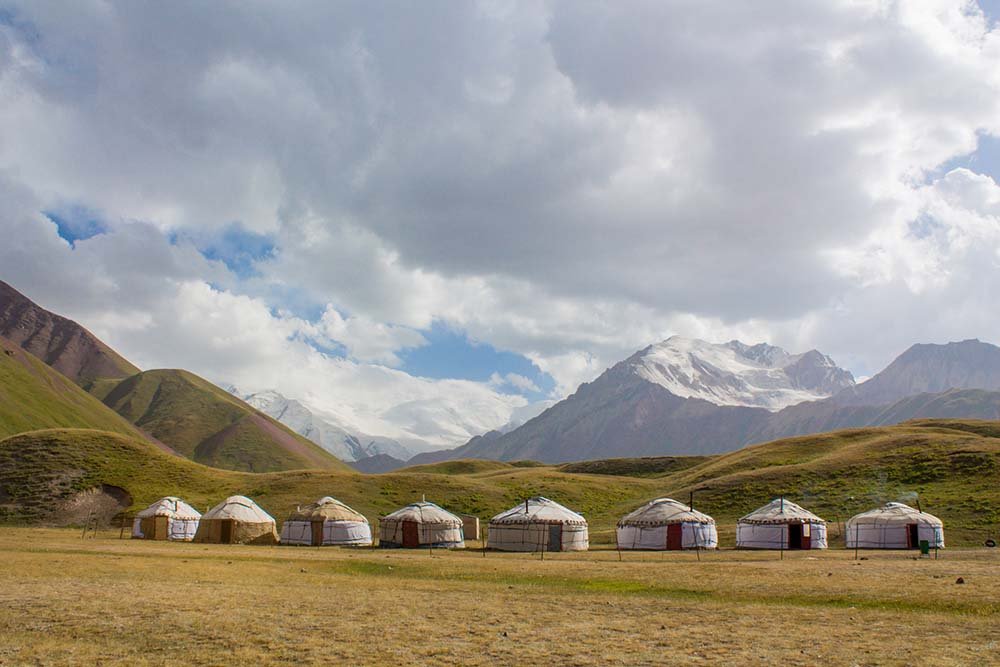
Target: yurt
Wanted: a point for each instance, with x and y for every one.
(421, 524)
(237, 520)
(665, 524)
(781, 524)
(167, 519)
(538, 524)
(326, 522)
(894, 526)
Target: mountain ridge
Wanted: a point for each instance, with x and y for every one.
(623, 413)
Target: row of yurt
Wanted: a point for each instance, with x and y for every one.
(538, 524)
(239, 520)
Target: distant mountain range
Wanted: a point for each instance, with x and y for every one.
(322, 429)
(685, 396)
(174, 409)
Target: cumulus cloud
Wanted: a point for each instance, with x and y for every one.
(566, 180)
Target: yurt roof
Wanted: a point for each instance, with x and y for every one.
(170, 506)
(424, 512)
(326, 509)
(895, 513)
(780, 511)
(664, 511)
(539, 510)
(239, 508)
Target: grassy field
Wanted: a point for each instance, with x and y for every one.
(67, 600)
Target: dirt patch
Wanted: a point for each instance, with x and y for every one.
(102, 502)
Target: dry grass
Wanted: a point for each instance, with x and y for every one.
(65, 600)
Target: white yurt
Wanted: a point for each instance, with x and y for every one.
(538, 524)
(167, 519)
(237, 520)
(894, 526)
(421, 524)
(666, 524)
(326, 522)
(781, 524)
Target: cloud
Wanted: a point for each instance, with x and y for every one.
(518, 382)
(569, 181)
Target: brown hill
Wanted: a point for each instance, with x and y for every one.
(58, 341)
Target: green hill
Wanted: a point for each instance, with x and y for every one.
(34, 396)
(211, 426)
(952, 466)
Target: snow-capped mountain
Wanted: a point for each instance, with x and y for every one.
(335, 439)
(734, 373)
(686, 396)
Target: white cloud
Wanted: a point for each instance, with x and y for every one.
(567, 180)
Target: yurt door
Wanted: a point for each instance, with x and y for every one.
(411, 534)
(807, 536)
(795, 536)
(912, 536)
(555, 537)
(674, 533)
(226, 531)
(317, 533)
(160, 528)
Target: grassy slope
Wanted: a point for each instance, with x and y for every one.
(34, 396)
(207, 424)
(954, 466)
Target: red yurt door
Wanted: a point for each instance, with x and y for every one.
(674, 537)
(806, 536)
(411, 534)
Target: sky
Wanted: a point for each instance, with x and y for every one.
(427, 219)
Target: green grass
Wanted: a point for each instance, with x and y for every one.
(34, 396)
(954, 469)
(650, 466)
(209, 425)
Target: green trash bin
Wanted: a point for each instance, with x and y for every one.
(925, 548)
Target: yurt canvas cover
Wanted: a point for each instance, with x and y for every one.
(538, 524)
(326, 522)
(167, 519)
(894, 526)
(237, 520)
(665, 523)
(781, 524)
(421, 524)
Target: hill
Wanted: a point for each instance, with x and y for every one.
(34, 396)
(952, 467)
(58, 341)
(211, 426)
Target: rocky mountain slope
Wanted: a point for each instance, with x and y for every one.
(60, 342)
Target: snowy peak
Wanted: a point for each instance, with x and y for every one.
(322, 430)
(734, 373)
